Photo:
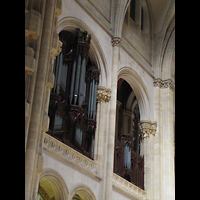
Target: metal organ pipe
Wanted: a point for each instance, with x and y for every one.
(59, 73)
(89, 102)
(77, 79)
(95, 98)
(72, 82)
(64, 76)
(81, 84)
(92, 99)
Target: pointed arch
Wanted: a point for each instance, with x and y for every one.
(140, 90)
(121, 7)
(167, 68)
(96, 53)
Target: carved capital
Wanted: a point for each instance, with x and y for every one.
(168, 84)
(157, 82)
(103, 94)
(153, 128)
(147, 128)
(163, 83)
(116, 41)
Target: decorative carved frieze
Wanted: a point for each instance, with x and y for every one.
(67, 153)
(163, 83)
(168, 84)
(126, 187)
(147, 128)
(157, 82)
(103, 94)
(116, 41)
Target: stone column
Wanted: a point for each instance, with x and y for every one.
(40, 87)
(147, 128)
(100, 153)
(163, 178)
(112, 118)
(167, 154)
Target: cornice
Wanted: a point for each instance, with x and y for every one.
(70, 155)
(128, 188)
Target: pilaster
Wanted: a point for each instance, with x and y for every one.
(101, 135)
(38, 121)
(147, 131)
(163, 179)
(116, 41)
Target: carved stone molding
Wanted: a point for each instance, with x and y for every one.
(67, 153)
(168, 84)
(147, 128)
(116, 41)
(126, 187)
(103, 94)
(164, 83)
(157, 82)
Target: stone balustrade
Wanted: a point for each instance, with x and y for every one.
(67, 153)
(126, 187)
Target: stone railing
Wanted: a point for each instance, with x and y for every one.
(125, 186)
(65, 152)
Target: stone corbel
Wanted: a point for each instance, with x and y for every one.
(116, 41)
(147, 128)
(103, 94)
(56, 51)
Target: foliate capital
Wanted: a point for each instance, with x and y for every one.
(103, 94)
(147, 128)
(163, 83)
(116, 41)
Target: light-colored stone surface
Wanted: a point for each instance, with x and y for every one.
(120, 49)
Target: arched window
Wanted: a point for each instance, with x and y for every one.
(127, 160)
(72, 107)
(142, 18)
(145, 18)
(132, 9)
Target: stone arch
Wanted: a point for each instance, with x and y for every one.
(168, 69)
(96, 53)
(56, 183)
(83, 192)
(121, 8)
(140, 90)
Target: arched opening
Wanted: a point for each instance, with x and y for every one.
(82, 192)
(46, 190)
(145, 25)
(127, 160)
(52, 186)
(72, 107)
(96, 53)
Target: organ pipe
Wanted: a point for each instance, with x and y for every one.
(72, 81)
(77, 79)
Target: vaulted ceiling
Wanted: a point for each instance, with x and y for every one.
(161, 10)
